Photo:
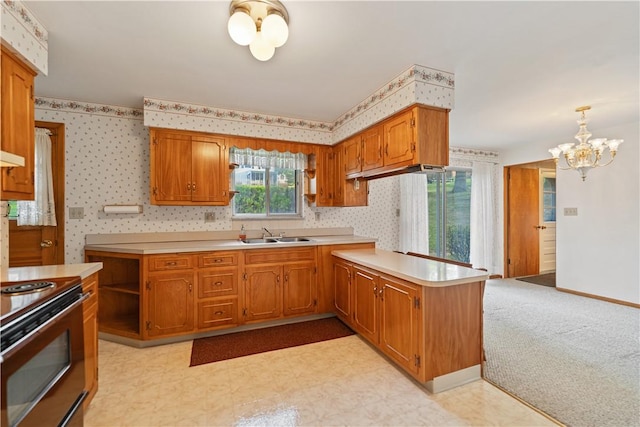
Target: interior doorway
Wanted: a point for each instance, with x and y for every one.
(529, 234)
(43, 245)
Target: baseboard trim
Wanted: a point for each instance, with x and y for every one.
(612, 300)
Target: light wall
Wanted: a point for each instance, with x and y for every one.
(107, 162)
(598, 251)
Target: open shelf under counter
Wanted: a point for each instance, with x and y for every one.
(126, 288)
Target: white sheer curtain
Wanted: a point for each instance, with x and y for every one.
(483, 214)
(42, 210)
(264, 158)
(414, 214)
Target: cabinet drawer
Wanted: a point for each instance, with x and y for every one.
(170, 262)
(280, 255)
(218, 259)
(212, 314)
(218, 282)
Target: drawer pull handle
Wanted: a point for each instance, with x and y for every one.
(218, 260)
(218, 283)
(218, 313)
(171, 263)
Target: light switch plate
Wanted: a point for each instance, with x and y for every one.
(76, 213)
(570, 211)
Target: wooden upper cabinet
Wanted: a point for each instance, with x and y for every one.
(188, 168)
(325, 176)
(399, 139)
(351, 149)
(371, 151)
(18, 133)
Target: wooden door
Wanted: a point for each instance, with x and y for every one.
(18, 134)
(522, 240)
(170, 304)
(351, 155)
(399, 319)
(299, 290)
(263, 292)
(342, 290)
(210, 170)
(372, 148)
(365, 303)
(399, 140)
(325, 171)
(43, 245)
(170, 167)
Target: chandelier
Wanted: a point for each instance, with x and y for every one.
(260, 24)
(588, 153)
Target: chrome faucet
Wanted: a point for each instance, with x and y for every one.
(263, 234)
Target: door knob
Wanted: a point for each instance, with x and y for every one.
(46, 244)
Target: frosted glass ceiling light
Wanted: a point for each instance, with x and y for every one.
(261, 24)
(587, 154)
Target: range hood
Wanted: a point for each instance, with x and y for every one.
(417, 168)
(10, 160)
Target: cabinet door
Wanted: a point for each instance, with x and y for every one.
(399, 141)
(263, 292)
(210, 170)
(325, 171)
(372, 148)
(299, 291)
(399, 317)
(342, 290)
(18, 134)
(90, 320)
(351, 155)
(365, 303)
(171, 168)
(170, 304)
(339, 178)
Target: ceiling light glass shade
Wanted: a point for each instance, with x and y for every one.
(241, 28)
(261, 49)
(275, 30)
(587, 154)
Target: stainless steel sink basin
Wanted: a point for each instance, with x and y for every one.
(254, 241)
(293, 239)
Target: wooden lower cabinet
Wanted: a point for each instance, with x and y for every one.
(365, 304)
(170, 308)
(90, 320)
(279, 283)
(342, 290)
(218, 290)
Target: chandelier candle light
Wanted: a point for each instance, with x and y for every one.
(587, 154)
(260, 24)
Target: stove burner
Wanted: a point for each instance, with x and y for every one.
(24, 288)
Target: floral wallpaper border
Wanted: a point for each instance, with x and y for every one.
(88, 108)
(30, 22)
(242, 116)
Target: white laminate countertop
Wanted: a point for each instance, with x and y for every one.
(18, 274)
(425, 272)
(145, 248)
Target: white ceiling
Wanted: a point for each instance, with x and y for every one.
(521, 68)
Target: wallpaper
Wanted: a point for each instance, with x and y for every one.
(25, 35)
(107, 162)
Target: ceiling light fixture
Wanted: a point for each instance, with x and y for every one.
(587, 154)
(260, 24)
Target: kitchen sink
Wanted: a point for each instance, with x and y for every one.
(276, 240)
(272, 240)
(293, 239)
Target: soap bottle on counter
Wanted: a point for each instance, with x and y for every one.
(243, 234)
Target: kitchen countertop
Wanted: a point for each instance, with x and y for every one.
(146, 248)
(18, 274)
(413, 269)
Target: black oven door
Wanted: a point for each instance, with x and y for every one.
(43, 372)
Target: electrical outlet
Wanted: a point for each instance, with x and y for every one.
(398, 212)
(317, 216)
(570, 211)
(76, 213)
(209, 217)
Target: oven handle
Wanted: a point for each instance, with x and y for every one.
(64, 312)
(74, 409)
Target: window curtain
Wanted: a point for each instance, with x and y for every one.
(42, 210)
(481, 250)
(414, 214)
(267, 159)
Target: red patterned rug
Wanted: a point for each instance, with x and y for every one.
(238, 344)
